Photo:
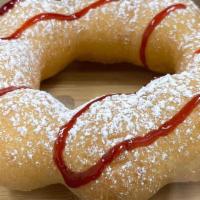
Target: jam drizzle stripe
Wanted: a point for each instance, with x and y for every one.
(77, 179)
(4, 91)
(197, 51)
(59, 147)
(152, 26)
(60, 17)
(8, 6)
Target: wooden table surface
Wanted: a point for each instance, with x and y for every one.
(79, 83)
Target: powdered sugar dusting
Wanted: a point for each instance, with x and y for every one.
(32, 119)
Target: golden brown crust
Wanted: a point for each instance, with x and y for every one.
(30, 119)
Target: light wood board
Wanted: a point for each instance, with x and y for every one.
(79, 83)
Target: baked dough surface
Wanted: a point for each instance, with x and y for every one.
(30, 119)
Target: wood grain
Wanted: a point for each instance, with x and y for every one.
(79, 83)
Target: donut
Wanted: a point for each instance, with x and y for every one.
(118, 146)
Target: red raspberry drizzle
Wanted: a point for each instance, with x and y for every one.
(152, 26)
(77, 179)
(7, 6)
(197, 51)
(4, 91)
(60, 17)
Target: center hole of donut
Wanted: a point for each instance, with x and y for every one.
(83, 81)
